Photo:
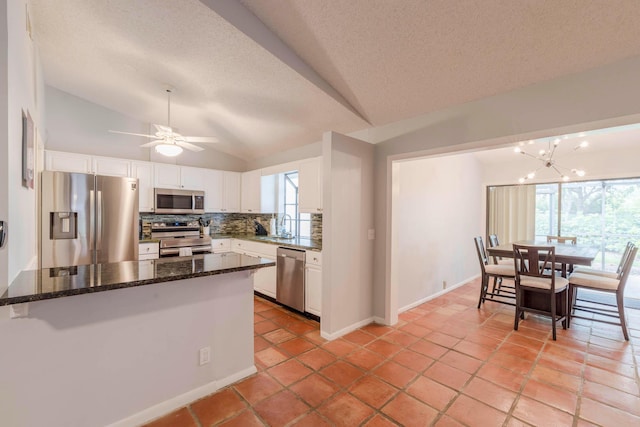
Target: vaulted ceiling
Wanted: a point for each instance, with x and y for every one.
(270, 75)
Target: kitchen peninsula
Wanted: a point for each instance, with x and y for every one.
(120, 344)
(49, 283)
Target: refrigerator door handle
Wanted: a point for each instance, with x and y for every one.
(92, 223)
(99, 222)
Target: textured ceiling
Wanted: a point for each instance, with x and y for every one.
(390, 60)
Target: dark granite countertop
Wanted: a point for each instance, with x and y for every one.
(148, 240)
(296, 242)
(48, 283)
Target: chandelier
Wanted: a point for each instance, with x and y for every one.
(546, 157)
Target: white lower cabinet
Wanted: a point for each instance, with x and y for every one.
(220, 245)
(264, 279)
(313, 283)
(146, 269)
(148, 251)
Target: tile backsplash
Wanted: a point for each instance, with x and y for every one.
(235, 223)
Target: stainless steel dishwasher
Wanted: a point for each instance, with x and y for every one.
(290, 278)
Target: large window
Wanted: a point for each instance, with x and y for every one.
(546, 210)
(300, 222)
(603, 213)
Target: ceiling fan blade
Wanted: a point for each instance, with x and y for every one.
(204, 139)
(161, 128)
(153, 143)
(189, 146)
(136, 134)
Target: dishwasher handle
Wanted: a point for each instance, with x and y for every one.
(296, 254)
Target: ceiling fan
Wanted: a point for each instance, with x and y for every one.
(169, 142)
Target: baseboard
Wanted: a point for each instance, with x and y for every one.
(344, 331)
(179, 401)
(380, 320)
(436, 295)
(236, 377)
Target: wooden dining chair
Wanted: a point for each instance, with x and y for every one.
(610, 274)
(493, 242)
(562, 239)
(606, 284)
(497, 284)
(496, 271)
(538, 289)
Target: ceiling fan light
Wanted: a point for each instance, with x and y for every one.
(169, 150)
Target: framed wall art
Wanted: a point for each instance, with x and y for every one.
(28, 150)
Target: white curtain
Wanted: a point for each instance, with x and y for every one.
(512, 211)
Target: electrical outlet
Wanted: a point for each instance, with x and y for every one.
(205, 355)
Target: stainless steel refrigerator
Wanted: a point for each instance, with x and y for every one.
(87, 219)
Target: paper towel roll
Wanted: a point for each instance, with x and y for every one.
(272, 226)
(185, 252)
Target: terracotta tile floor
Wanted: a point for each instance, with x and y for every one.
(445, 363)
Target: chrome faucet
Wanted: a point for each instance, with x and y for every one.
(283, 233)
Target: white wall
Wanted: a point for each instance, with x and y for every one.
(96, 359)
(347, 253)
(437, 210)
(79, 126)
(4, 142)
(19, 203)
(598, 98)
(299, 153)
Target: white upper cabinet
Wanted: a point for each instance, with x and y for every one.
(310, 185)
(111, 167)
(214, 191)
(144, 172)
(222, 191)
(166, 176)
(179, 177)
(258, 192)
(84, 163)
(231, 195)
(193, 178)
(67, 162)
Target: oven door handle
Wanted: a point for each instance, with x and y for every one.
(176, 251)
(193, 202)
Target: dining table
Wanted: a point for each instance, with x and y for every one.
(567, 254)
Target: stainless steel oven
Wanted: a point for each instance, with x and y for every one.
(180, 238)
(170, 201)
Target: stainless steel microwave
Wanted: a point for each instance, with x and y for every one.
(170, 201)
